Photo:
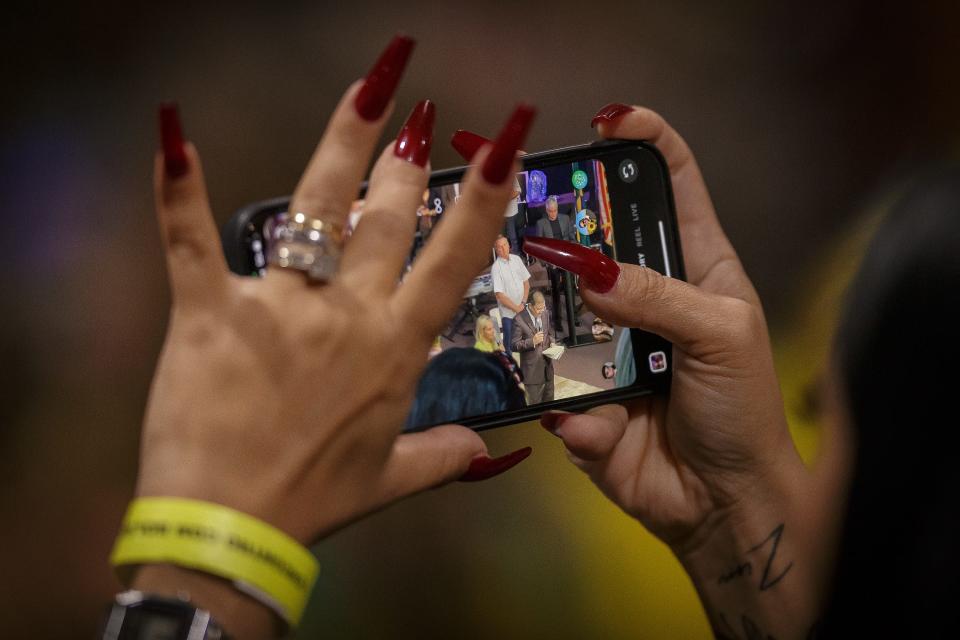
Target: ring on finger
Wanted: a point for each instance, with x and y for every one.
(307, 244)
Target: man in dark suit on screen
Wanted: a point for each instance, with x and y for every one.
(531, 335)
(560, 226)
(555, 224)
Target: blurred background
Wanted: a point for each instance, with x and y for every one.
(804, 118)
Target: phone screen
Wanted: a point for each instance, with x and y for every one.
(522, 340)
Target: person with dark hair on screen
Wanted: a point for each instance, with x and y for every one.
(463, 382)
(532, 334)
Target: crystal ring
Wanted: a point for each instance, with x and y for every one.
(307, 244)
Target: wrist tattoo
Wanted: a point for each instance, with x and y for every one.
(723, 630)
(771, 575)
(751, 630)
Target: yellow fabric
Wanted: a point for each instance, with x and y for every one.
(483, 345)
(258, 558)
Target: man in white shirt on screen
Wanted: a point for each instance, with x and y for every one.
(511, 285)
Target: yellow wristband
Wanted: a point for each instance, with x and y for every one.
(258, 558)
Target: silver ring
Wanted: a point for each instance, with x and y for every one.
(307, 244)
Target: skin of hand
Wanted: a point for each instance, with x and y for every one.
(244, 388)
(711, 469)
(263, 399)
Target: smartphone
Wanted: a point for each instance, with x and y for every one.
(493, 366)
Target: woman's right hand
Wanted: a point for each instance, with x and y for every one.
(711, 469)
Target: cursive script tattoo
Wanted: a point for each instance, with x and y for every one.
(766, 581)
(745, 569)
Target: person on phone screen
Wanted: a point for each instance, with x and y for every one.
(556, 225)
(486, 335)
(559, 226)
(511, 285)
(463, 382)
(531, 335)
(510, 219)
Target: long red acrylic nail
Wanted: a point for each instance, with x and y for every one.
(171, 139)
(416, 136)
(484, 467)
(467, 143)
(598, 272)
(511, 138)
(553, 420)
(610, 112)
(381, 83)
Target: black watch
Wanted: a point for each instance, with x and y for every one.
(140, 616)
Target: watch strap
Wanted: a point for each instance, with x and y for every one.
(135, 615)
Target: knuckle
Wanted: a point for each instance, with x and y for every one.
(199, 330)
(319, 203)
(184, 245)
(640, 286)
(388, 222)
(330, 325)
(742, 324)
(185, 235)
(653, 118)
(404, 174)
(652, 285)
(446, 264)
(393, 171)
(345, 131)
(179, 194)
(485, 199)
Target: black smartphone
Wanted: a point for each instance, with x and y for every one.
(493, 365)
